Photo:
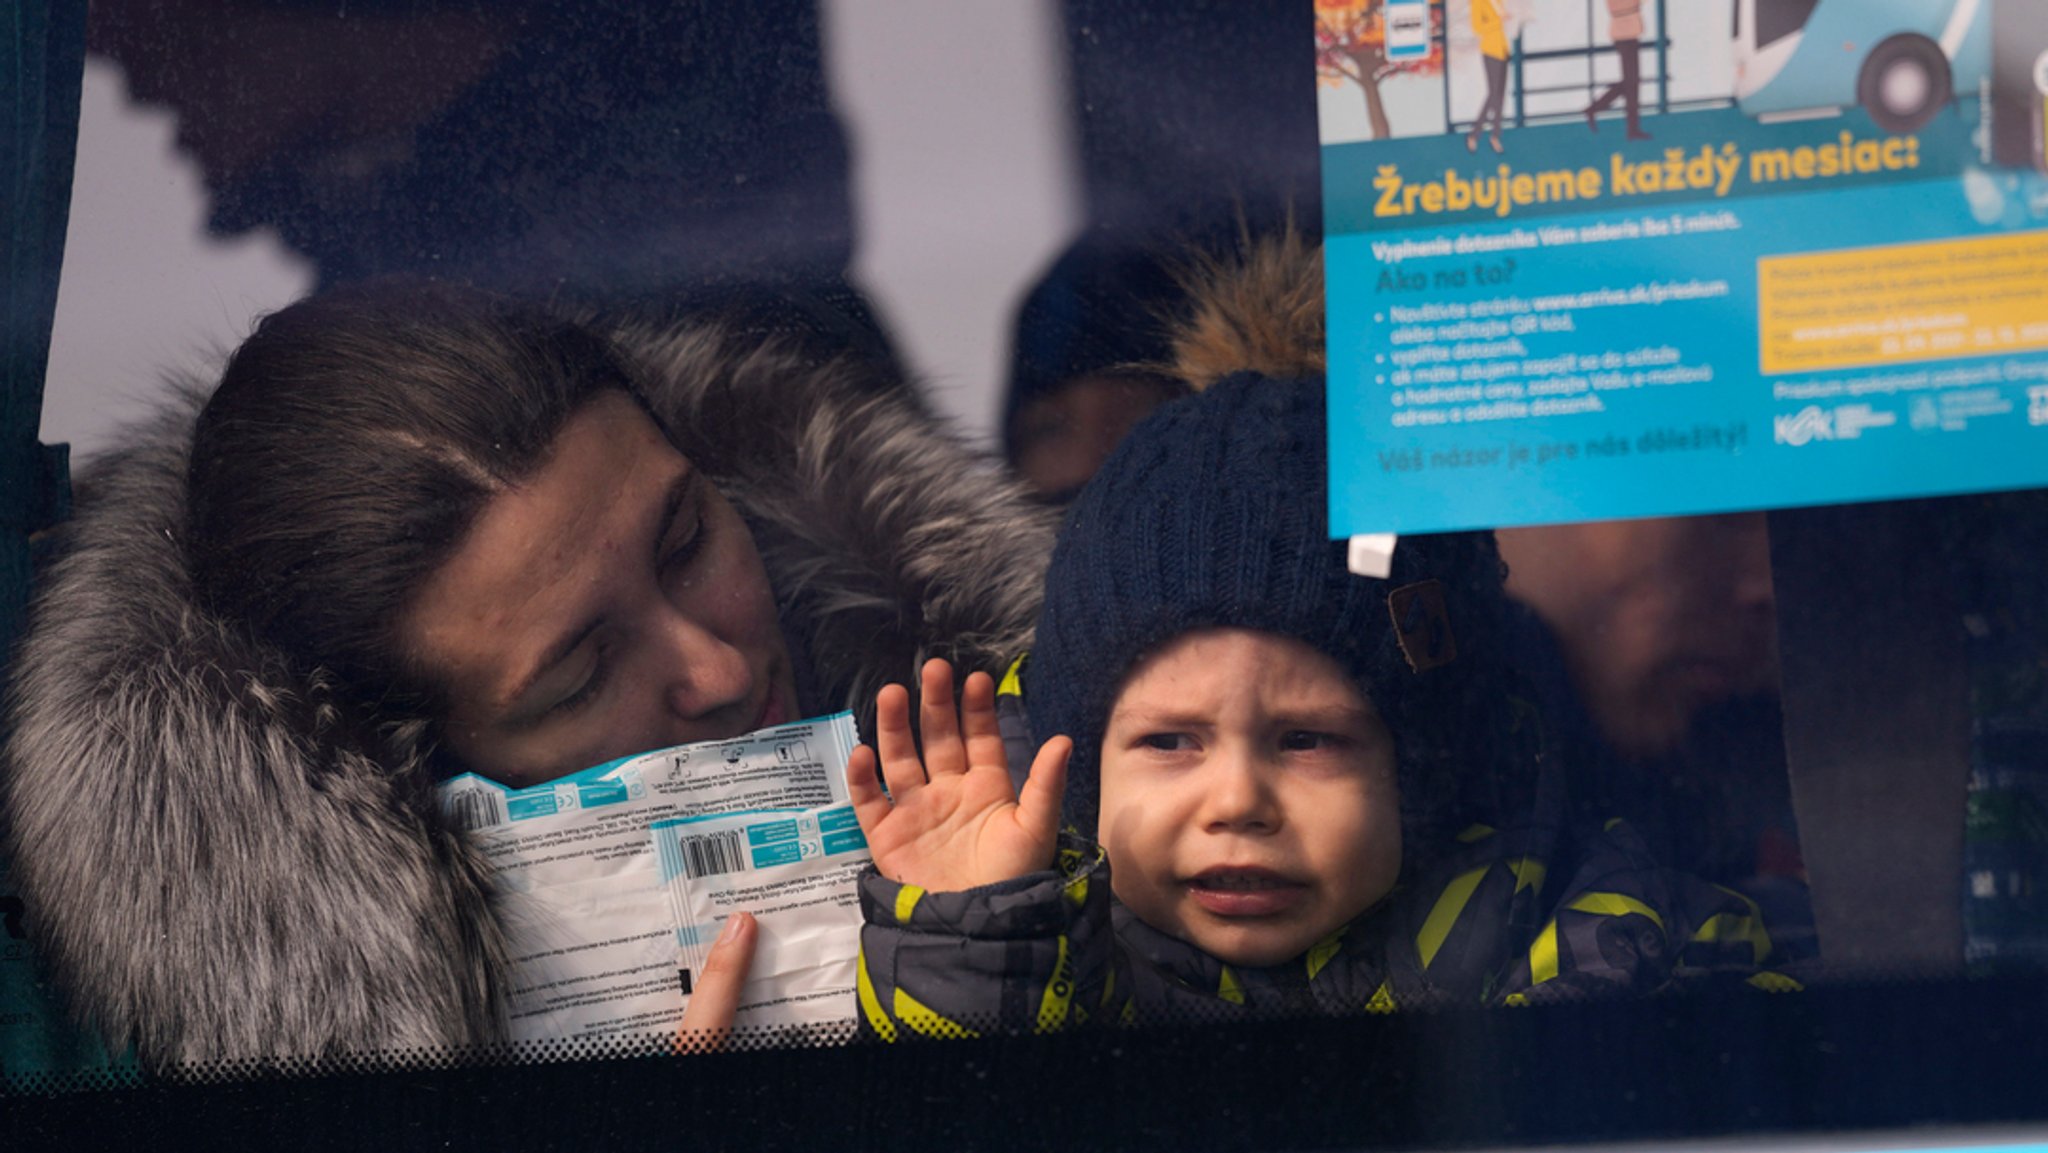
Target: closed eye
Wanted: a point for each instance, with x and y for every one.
(593, 684)
(683, 546)
(680, 534)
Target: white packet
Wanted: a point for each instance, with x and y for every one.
(581, 896)
(797, 873)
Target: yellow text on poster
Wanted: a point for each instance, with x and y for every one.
(1903, 302)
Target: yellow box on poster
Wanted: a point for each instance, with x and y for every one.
(1903, 302)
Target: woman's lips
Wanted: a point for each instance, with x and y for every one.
(1244, 892)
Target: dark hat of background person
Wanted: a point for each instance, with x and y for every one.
(1103, 307)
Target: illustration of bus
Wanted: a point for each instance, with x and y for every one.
(1900, 59)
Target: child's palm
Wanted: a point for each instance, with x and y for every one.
(955, 823)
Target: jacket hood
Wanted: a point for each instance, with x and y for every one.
(219, 869)
(889, 540)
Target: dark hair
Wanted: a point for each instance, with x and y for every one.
(354, 439)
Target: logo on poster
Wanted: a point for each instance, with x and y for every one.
(2037, 404)
(1407, 29)
(1808, 424)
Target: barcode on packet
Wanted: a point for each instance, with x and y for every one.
(475, 809)
(710, 854)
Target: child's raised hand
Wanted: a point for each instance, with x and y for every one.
(955, 822)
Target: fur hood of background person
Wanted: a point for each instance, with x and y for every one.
(226, 875)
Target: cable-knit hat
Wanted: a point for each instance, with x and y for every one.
(1214, 513)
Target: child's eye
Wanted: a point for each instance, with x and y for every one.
(1167, 742)
(1304, 740)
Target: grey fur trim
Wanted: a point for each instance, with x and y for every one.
(215, 870)
(218, 867)
(887, 537)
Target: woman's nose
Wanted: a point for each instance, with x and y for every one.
(705, 675)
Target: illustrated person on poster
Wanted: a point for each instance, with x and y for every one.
(417, 530)
(1625, 28)
(1272, 767)
(1489, 23)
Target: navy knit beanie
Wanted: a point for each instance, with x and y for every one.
(1213, 513)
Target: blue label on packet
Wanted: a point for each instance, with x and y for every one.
(546, 800)
(835, 820)
(771, 833)
(786, 853)
(540, 803)
(844, 842)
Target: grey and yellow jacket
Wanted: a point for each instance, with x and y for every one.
(216, 870)
(1489, 924)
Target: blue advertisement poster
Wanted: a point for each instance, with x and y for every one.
(1596, 259)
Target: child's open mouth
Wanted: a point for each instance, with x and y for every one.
(1230, 892)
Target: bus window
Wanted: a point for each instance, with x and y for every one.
(1777, 19)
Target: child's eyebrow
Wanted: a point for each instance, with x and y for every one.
(1324, 714)
(1303, 716)
(1160, 718)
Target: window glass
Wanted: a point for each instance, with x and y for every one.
(639, 377)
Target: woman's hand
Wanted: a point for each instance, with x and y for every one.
(707, 1019)
(955, 822)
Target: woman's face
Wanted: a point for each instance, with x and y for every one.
(611, 604)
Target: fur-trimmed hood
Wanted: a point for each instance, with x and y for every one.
(217, 870)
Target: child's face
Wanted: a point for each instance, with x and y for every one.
(1249, 803)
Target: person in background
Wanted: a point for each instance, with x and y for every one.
(1653, 652)
(1087, 362)
(602, 153)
